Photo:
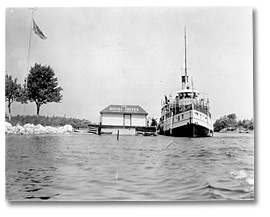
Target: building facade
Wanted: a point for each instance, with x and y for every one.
(123, 115)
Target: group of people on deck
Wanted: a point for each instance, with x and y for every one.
(151, 122)
(188, 95)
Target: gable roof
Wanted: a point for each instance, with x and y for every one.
(124, 109)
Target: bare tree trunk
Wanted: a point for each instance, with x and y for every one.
(38, 108)
(9, 111)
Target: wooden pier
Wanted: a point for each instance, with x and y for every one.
(128, 130)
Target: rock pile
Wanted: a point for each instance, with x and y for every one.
(38, 129)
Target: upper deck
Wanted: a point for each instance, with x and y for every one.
(184, 100)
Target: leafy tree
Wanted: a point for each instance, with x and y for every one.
(220, 124)
(42, 86)
(225, 121)
(248, 124)
(232, 120)
(13, 92)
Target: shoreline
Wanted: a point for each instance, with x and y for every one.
(235, 130)
(29, 129)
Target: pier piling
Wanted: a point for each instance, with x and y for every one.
(117, 134)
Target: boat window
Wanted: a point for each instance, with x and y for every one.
(187, 95)
(181, 96)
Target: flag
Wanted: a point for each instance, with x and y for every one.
(37, 30)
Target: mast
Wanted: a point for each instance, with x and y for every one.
(185, 59)
(185, 77)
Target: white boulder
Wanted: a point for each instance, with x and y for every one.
(19, 129)
(68, 128)
(49, 130)
(29, 128)
(39, 129)
(8, 127)
(60, 130)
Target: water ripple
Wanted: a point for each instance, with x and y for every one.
(85, 167)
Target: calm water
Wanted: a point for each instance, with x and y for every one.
(91, 167)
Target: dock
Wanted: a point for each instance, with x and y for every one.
(123, 130)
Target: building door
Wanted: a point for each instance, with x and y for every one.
(127, 120)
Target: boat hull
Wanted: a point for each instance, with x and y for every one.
(189, 130)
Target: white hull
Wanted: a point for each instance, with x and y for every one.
(190, 123)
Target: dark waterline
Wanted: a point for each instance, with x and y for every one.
(136, 168)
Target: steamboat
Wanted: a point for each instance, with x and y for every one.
(185, 112)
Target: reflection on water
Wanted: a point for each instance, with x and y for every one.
(91, 167)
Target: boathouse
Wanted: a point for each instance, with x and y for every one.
(123, 115)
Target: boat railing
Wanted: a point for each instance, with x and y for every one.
(175, 106)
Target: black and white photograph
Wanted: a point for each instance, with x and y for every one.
(129, 104)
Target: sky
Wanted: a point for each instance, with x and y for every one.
(133, 56)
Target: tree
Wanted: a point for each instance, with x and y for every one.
(42, 86)
(220, 124)
(13, 92)
(232, 120)
(225, 121)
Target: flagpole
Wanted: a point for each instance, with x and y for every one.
(29, 46)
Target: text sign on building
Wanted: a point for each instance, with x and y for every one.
(124, 109)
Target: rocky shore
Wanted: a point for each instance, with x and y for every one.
(36, 129)
(235, 130)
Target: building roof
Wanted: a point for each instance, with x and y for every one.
(124, 109)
